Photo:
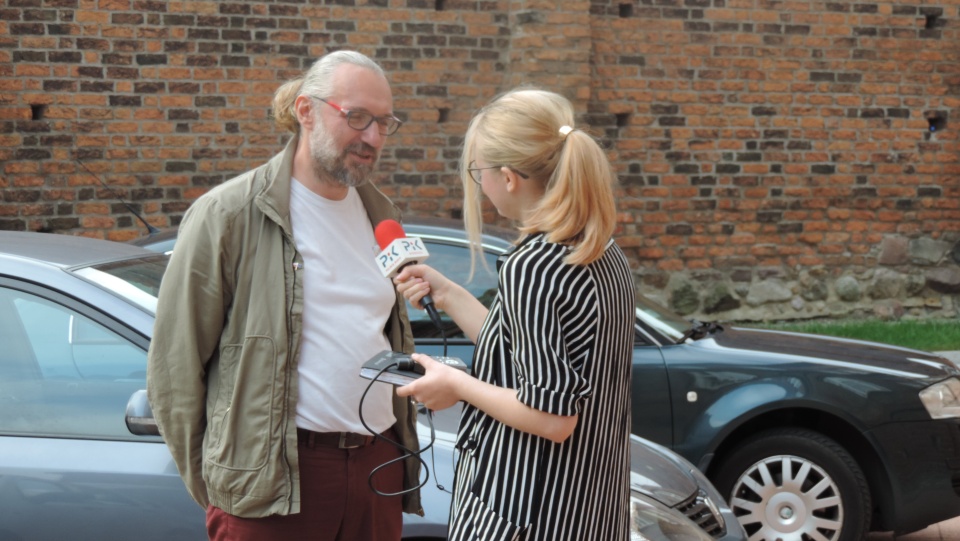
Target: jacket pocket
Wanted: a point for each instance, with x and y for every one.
(241, 423)
(477, 520)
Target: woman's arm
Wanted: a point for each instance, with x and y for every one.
(416, 281)
(442, 387)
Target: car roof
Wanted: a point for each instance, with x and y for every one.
(156, 236)
(65, 250)
(447, 224)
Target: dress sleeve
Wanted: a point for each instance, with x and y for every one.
(549, 314)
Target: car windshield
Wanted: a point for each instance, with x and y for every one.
(661, 319)
(136, 280)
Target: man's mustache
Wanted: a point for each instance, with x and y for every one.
(362, 148)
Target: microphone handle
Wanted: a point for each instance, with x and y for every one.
(427, 303)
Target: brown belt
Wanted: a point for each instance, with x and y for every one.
(340, 440)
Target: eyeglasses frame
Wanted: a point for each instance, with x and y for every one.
(477, 178)
(348, 114)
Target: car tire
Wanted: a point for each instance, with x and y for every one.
(825, 491)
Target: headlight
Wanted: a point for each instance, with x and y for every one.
(652, 521)
(942, 400)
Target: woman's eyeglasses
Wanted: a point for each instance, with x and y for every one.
(475, 171)
(361, 120)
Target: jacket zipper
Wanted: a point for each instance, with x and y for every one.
(295, 266)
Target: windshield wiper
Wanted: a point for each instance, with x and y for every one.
(700, 330)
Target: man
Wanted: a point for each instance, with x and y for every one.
(269, 306)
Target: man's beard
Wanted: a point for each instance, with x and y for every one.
(328, 163)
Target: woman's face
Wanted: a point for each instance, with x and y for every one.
(493, 183)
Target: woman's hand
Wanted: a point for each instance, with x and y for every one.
(417, 281)
(438, 388)
(442, 386)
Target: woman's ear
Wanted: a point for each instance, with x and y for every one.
(510, 178)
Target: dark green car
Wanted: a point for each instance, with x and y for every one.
(808, 438)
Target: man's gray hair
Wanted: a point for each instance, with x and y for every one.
(318, 81)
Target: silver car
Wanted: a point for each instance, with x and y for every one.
(79, 454)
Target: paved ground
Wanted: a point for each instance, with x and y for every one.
(945, 531)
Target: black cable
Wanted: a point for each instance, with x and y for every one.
(408, 453)
(433, 434)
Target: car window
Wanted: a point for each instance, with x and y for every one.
(453, 261)
(61, 373)
(136, 280)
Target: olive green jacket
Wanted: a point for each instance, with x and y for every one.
(222, 366)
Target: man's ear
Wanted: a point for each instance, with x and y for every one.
(303, 107)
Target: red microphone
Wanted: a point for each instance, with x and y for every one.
(388, 231)
(397, 250)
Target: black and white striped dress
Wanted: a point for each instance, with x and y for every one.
(561, 335)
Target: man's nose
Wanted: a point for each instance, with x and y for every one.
(372, 136)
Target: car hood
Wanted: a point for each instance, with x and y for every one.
(866, 355)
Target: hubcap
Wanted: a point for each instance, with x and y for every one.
(788, 498)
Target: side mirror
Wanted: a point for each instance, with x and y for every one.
(139, 417)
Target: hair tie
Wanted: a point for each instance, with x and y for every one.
(565, 131)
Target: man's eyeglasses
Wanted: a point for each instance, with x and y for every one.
(474, 171)
(361, 120)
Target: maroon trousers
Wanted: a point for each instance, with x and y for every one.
(336, 502)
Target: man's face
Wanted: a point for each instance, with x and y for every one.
(339, 152)
(329, 161)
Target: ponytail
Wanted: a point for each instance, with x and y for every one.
(283, 99)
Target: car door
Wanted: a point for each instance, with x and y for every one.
(651, 411)
(69, 468)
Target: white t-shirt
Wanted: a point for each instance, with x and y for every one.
(346, 304)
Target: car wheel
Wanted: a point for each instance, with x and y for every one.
(795, 485)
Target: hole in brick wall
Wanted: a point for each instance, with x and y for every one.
(936, 121)
(442, 115)
(626, 10)
(623, 119)
(37, 112)
(438, 5)
(931, 21)
(456, 214)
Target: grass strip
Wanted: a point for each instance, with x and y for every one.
(925, 335)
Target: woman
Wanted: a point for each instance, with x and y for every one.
(545, 428)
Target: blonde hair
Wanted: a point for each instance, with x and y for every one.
(522, 130)
(317, 81)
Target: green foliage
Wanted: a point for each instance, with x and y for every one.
(925, 335)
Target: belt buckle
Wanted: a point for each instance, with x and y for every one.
(343, 442)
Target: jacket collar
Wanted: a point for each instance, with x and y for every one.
(274, 199)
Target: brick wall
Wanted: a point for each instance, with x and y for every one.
(777, 158)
